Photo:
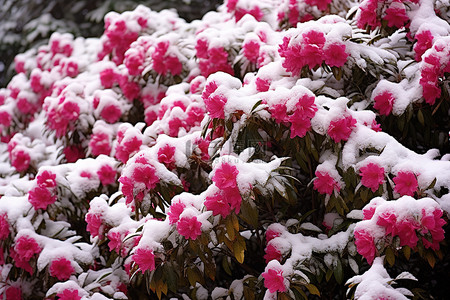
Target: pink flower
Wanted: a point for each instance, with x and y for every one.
(388, 220)
(26, 247)
(145, 174)
(325, 184)
(233, 197)
(175, 211)
(21, 262)
(5, 118)
(231, 5)
(20, 159)
(405, 183)
(94, 224)
(100, 144)
(195, 115)
(424, 42)
(107, 78)
(73, 153)
(145, 259)
(106, 174)
(61, 268)
(24, 105)
(218, 205)
(111, 113)
(272, 232)
(69, 295)
(41, 197)
(365, 244)
(368, 212)
(430, 92)
(174, 126)
(300, 124)
(255, 12)
(190, 228)
(166, 155)
(251, 50)
(134, 61)
(127, 147)
(340, 129)
(313, 47)
(173, 64)
(127, 189)
(432, 223)
(279, 112)
(13, 293)
(115, 242)
(262, 85)
(71, 69)
(306, 106)
(274, 280)
(225, 176)
(201, 48)
(335, 55)
(293, 57)
(163, 62)
(4, 227)
(407, 232)
(384, 102)
(321, 4)
(70, 111)
(46, 179)
(215, 105)
(372, 176)
(368, 14)
(396, 15)
(272, 253)
(130, 89)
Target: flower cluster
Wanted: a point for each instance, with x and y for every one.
(44, 193)
(312, 46)
(407, 220)
(372, 12)
(435, 63)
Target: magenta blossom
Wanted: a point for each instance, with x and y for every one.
(372, 175)
(190, 228)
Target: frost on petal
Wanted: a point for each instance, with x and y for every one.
(274, 280)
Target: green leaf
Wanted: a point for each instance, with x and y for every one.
(313, 289)
(338, 272)
(256, 105)
(328, 275)
(407, 252)
(226, 265)
(432, 184)
(249, 293)
(299, 292)
(420, 117)
(194, 275)
(249, 214)
(390, 256)
(230, 228)
(171, 277)
(239, 251)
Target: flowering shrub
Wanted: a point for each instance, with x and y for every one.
(273, 149)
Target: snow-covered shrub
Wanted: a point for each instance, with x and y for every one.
(272, 149)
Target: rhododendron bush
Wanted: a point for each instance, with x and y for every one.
(283, 149)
